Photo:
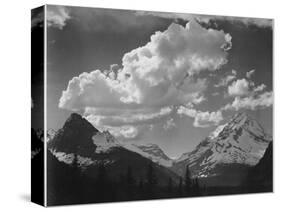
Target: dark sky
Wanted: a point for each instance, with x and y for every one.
(86, 39)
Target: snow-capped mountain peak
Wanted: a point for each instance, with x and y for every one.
(242, 140)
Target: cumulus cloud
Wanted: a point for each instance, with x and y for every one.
(259, 88)
(57, 16)
(239, 87)
(259, 22)
(160, 74)
(202, 119)
(125, 131)
(247, 95)
(249, 74)
(226, 80)
(252, 102)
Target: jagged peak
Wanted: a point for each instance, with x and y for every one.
(240, 117)
(74, 116)
(75, 120)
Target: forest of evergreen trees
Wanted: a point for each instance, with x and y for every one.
(70, 185)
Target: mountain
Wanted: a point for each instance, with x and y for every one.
(36, 142)
(50, 134)
(74, 137)
(37, 166)
(260, 177)
(105, 142)
(228, 150)
(152, 152)
(80, 141)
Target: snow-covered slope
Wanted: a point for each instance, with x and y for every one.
(152, 152)
(50, 134)
(240, 141)
(87, 143)
(79, 142)
(105, 142)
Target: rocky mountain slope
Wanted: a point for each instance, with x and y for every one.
(79, 141)
(239, 143)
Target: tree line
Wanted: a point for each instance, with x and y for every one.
(71, 185)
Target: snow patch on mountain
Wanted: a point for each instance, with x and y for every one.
(50, 134)
(105, 142)
(82, 161)
(240, 141)
(152, 152)
(217, 131)
(35, 152)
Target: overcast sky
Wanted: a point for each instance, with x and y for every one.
(161, 78)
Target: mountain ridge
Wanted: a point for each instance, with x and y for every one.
(240, 141)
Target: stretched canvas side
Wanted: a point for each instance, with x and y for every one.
(37, 107)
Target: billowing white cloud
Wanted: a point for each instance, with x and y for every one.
(93, 89)
(201, 119)
(252, 102)
(250, 73)
(239, 87)
(259, 88)
(125, 131)
(158, 75)
(57, 16)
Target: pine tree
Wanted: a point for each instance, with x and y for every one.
(101, 183)
(151, 177)
(75, 163)
(76, 187)
(101, 174)
(141, 185)
(196, 187)
(187, 180)
(130, 182)
(180, 187)
(129, 176)
(170, 185)
(151, 181)
(140, 189)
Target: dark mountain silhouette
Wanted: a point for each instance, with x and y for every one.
(37, 168)
(85, 165)
(36, 142)
(260, 177)
(75, 136)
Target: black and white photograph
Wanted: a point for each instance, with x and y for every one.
(144, 105)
